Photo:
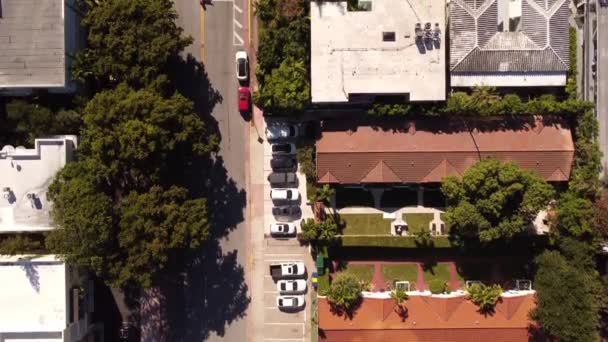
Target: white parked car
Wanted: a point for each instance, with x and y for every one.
(282, 229)
(242, 66)
(285, 194)
(281, 131)
(290, 302)
(291, 286)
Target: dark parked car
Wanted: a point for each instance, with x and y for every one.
(282, 178)
(284, 164)
(283, 148)
(285, 212)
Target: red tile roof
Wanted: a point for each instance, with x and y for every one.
(428, 319)
(426, 151)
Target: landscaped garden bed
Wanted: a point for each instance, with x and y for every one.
(436, 272)
(404, 272)
(365, 224)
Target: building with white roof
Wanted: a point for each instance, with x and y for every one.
(42, 301)
(388, 47)
(25, 177)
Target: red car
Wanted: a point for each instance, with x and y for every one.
(244, 99)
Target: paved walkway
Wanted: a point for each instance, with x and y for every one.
(378, 282)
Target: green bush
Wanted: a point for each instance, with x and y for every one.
(485, 297)
(571, 88)
(438, 286)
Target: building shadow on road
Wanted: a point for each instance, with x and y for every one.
(209, 297)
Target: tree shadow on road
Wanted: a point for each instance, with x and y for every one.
(213, 295)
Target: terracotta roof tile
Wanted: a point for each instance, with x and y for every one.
(439, 148)
(429, 319)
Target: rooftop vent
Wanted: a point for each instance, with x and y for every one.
(388, 36)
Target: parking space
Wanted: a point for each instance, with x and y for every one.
(281, 325)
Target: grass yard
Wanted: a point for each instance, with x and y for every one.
(418, 222)
(392, 273)
(361, 272)
(437, 271)
(365, 224)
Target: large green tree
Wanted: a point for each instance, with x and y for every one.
(286, 89)
(133, 137)
(567, 299)
(119, 209)
(494, 201)
(575, 215)
(128, 40)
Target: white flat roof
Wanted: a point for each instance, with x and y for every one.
(27, 171)
(33, 297)
(349, 56)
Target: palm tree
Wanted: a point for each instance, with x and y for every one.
(485, 297)
(322, 194)
(399, 295)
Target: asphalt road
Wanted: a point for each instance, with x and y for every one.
(216, 300)
(602, 80)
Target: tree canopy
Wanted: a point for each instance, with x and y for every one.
(575, 215)
(493, 200)
(30, 120)
(119, 209)
(567, 299)
(128, 41)
(286, 89)
(344, 293)
(131, 137)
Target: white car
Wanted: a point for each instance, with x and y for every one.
(285, 194)
(290, 286)
(282, 229)
(290, 302)
(281, 131)
(242, 66)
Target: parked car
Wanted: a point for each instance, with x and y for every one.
(281, 131)
(291, 286)
(283, 148)
(282, 229)
(284, 164)
(285, 212)
(290, 302)
(284, 194)
(242, 66)
(283, 178)
(287, 269)
(244, 99)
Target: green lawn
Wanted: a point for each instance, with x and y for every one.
(418, 222)
(361, 272)
(392, 273)
(385, 241)
(365, 224)
(437, 271)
